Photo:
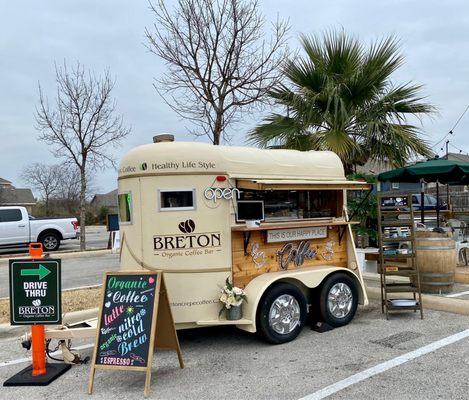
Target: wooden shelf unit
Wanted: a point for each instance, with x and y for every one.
(393, 261)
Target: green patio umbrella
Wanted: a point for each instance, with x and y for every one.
(439, 170)
(453, 172)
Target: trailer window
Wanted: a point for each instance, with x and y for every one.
(125, 207)
(176, 200)
(297, 204)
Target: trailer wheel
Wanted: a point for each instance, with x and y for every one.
(50, 241)
(338, 300)
(281, 313)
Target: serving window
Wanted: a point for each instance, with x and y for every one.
(124, 201)
(176, 200)
(297, 204)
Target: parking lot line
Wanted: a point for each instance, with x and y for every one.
(377, 369)
(28, 359)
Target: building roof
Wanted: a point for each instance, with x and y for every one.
(457, 156)
(168, 158)
(14, 196)
(4, 182)
(105, 200)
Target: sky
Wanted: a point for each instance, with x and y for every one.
(102, 34)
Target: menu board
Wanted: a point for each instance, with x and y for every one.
(133, 305)
(125, 327)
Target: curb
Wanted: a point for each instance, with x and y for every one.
(437, 303)
(9, 331)
(69, 254)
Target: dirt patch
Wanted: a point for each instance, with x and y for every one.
(72, 300)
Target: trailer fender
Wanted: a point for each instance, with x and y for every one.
(305, 278)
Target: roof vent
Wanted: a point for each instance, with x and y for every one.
(164, 137)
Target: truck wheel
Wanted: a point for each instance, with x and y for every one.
(281, 313)
(338, 300)
(50, 241)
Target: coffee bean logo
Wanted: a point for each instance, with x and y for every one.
(144, 166)
(187, 226)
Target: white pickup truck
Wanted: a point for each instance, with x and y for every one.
(18, 228)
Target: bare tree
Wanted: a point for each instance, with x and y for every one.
(45, 179)
(68, 193)
(82, 125)
(219, 63)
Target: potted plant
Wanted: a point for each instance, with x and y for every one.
(232, 297)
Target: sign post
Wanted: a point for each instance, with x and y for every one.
(135, 319)
(35, 299)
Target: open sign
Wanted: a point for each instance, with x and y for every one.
(214, 194)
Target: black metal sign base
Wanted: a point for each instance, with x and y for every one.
(24, 377)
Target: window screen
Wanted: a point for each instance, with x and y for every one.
(12, 215)
(177, 199)
(125, 207)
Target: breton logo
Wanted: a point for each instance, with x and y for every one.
(187, 226)
(171, 244)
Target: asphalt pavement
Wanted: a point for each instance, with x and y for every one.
(96, 238)
(225, 363)
(77, 270)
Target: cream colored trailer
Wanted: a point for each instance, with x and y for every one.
(178, 206)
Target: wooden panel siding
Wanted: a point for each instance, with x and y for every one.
(244, 268)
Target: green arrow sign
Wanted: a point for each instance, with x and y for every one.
(35, 292)
(41, 272)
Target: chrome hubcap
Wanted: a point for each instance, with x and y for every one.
(340, 300)
(284, 314)
(50, 242)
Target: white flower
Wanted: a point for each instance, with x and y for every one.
(237, 291)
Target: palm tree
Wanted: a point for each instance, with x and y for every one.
(340, 97)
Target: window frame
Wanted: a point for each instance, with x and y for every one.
(169, 209)
(131, 208)
(14, 210)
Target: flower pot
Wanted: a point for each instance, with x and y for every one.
(234, 313)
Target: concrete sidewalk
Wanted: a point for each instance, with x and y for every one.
(455, 302)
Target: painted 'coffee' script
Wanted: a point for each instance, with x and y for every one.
(125, 326)
(290, 253)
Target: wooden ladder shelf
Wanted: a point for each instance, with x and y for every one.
(396, 234)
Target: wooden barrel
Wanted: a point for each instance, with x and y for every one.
(436, 261)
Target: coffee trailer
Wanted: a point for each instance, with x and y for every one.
(190, 209)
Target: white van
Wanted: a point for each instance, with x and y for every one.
(188, 209)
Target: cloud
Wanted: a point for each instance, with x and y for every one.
(109, 34)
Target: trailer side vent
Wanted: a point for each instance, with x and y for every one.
(164, 137)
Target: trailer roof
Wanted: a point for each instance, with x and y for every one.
(168, 158)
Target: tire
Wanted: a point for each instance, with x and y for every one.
(285, 298)
(344, 286)
(50, 241)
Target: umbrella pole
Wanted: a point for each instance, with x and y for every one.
(437, 204)
(422, 198)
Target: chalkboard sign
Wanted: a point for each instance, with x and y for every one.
(126, 320)
(133, 305)
(112, 222)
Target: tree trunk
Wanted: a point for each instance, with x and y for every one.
(217, 129)
(46, 200)
(82, 209)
